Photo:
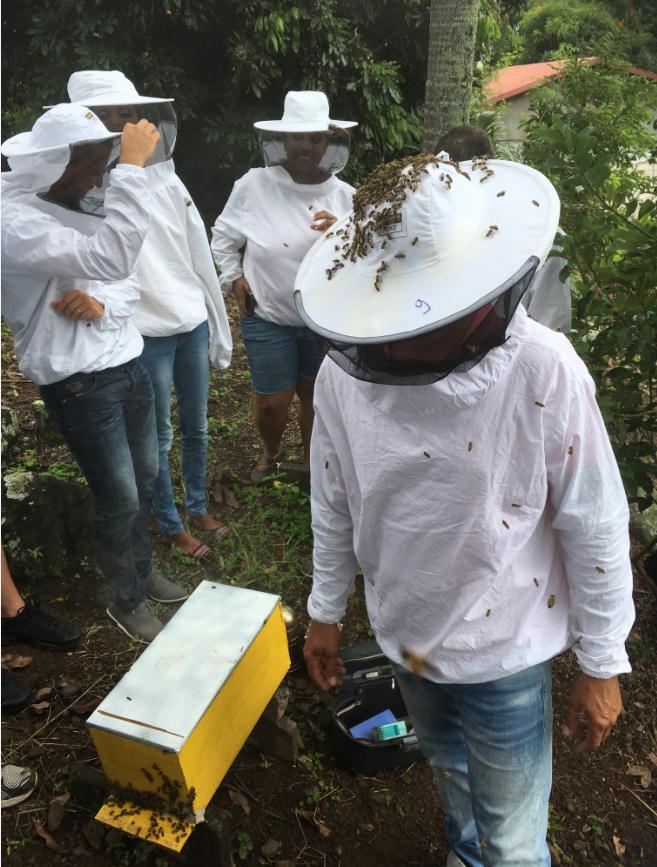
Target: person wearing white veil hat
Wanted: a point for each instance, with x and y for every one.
(68, 296)
(180, 314)
(459, 458)
(270, 221)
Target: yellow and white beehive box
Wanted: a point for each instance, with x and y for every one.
(176, 720)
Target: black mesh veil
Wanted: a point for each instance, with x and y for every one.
(160, 114)
(334, 159)
(370, 362)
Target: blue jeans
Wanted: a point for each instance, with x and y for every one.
(108, 420)
(180, 361)
(490, 748)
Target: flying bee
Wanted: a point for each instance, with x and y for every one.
(501, 193)
(414, 241)
(600, 570)
(538, 403)
(491, 230)
(416, 663)
(534, 202)
(400, 255)
(505, 524)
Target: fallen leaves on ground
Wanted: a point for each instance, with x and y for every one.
(240, 799)
(68, 688)
(619, 847)
(11, 660)
(642, 772)
(270, 849)
(48, 838)
(221, 493)
(314, 821)
(40, 706)
(82, 708)
(56, 810)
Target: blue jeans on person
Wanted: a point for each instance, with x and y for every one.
(180, 361)
(490, 748)
(108, 421)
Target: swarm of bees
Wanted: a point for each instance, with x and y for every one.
(377, 204)
(165, 805)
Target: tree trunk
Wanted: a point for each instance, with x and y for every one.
(452, 34)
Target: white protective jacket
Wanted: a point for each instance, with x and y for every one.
(486, 511)
(269, 215)
(43, 258)
(179, 284)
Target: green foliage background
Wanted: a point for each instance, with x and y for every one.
(587, 132)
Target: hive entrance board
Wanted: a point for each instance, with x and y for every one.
(172, 726)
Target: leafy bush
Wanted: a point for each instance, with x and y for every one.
(562, 29)
(587, 133)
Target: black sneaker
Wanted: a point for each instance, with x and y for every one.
(17, 784)
(33, 626)
(16, 694)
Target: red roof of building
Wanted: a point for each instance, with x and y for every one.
(514, 80)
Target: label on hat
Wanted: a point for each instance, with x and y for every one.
(395, 226)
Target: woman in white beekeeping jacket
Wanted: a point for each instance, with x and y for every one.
(181, 312)
(270, 221)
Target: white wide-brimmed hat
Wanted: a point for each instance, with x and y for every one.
(54, 132)
(428, 242)
(304, 111)
(94, 87)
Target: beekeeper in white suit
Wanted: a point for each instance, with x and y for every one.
(68, 297)
(460, 458)
(180, 314)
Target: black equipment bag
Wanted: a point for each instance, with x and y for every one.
(368, 688)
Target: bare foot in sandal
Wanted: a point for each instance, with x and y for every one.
(189, 545)
(209, 524)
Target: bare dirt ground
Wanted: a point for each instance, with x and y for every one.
(603, 808)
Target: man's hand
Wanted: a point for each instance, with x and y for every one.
(242, 292)
(138, 142)
(323, 220)
(594, 707)
(78, 305)
(321, 654)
